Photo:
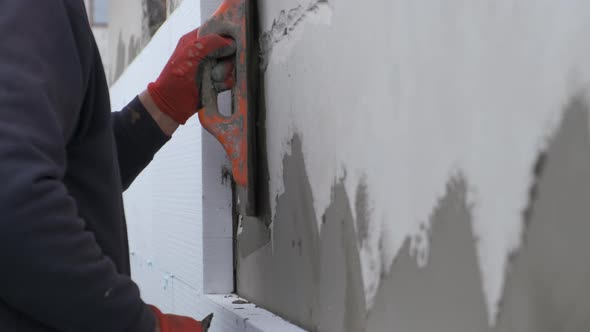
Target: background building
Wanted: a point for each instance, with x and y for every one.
(98, 15)
(132, 25)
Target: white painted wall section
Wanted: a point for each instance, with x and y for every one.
(470, 88)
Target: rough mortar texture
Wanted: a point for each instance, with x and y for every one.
(404, 95)
(309, 279)
(445, 295)
(547, 287)
(314, 279)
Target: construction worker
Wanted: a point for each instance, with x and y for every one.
(65, 160)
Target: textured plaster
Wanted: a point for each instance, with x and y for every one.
(546, 287)
(312, 280)
(446, 294)
(288, 27)
(405, 97)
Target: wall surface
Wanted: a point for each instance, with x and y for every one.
(424, 167)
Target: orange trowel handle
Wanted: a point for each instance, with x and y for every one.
(231, 131)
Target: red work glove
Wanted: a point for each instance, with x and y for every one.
(176, 91)
(173, 323)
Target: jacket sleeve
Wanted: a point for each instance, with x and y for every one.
(138, 138)
(52, 269)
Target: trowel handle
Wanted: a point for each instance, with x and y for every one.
(231, 131)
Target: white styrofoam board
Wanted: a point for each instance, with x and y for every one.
(217, 202)
(176, 296)
(253, 317)
(218, 265)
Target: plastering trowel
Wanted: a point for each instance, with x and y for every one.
(236, 132)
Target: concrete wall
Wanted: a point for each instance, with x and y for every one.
(425, 166)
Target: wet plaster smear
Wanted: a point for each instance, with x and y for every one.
(428, 166)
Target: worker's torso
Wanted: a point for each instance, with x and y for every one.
(92, 176)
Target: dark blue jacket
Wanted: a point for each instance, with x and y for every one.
(64, 161)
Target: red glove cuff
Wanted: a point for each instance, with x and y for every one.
(173, 323)
(164, 107)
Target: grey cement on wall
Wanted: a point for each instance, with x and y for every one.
(548, 287)
(314, 280)
(444, 296)
(289, 285)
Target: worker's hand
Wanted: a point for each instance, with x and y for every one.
(176, 91)
(173, 323)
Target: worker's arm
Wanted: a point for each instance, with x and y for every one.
(138, 137)
(147, 123)
(52, 270)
